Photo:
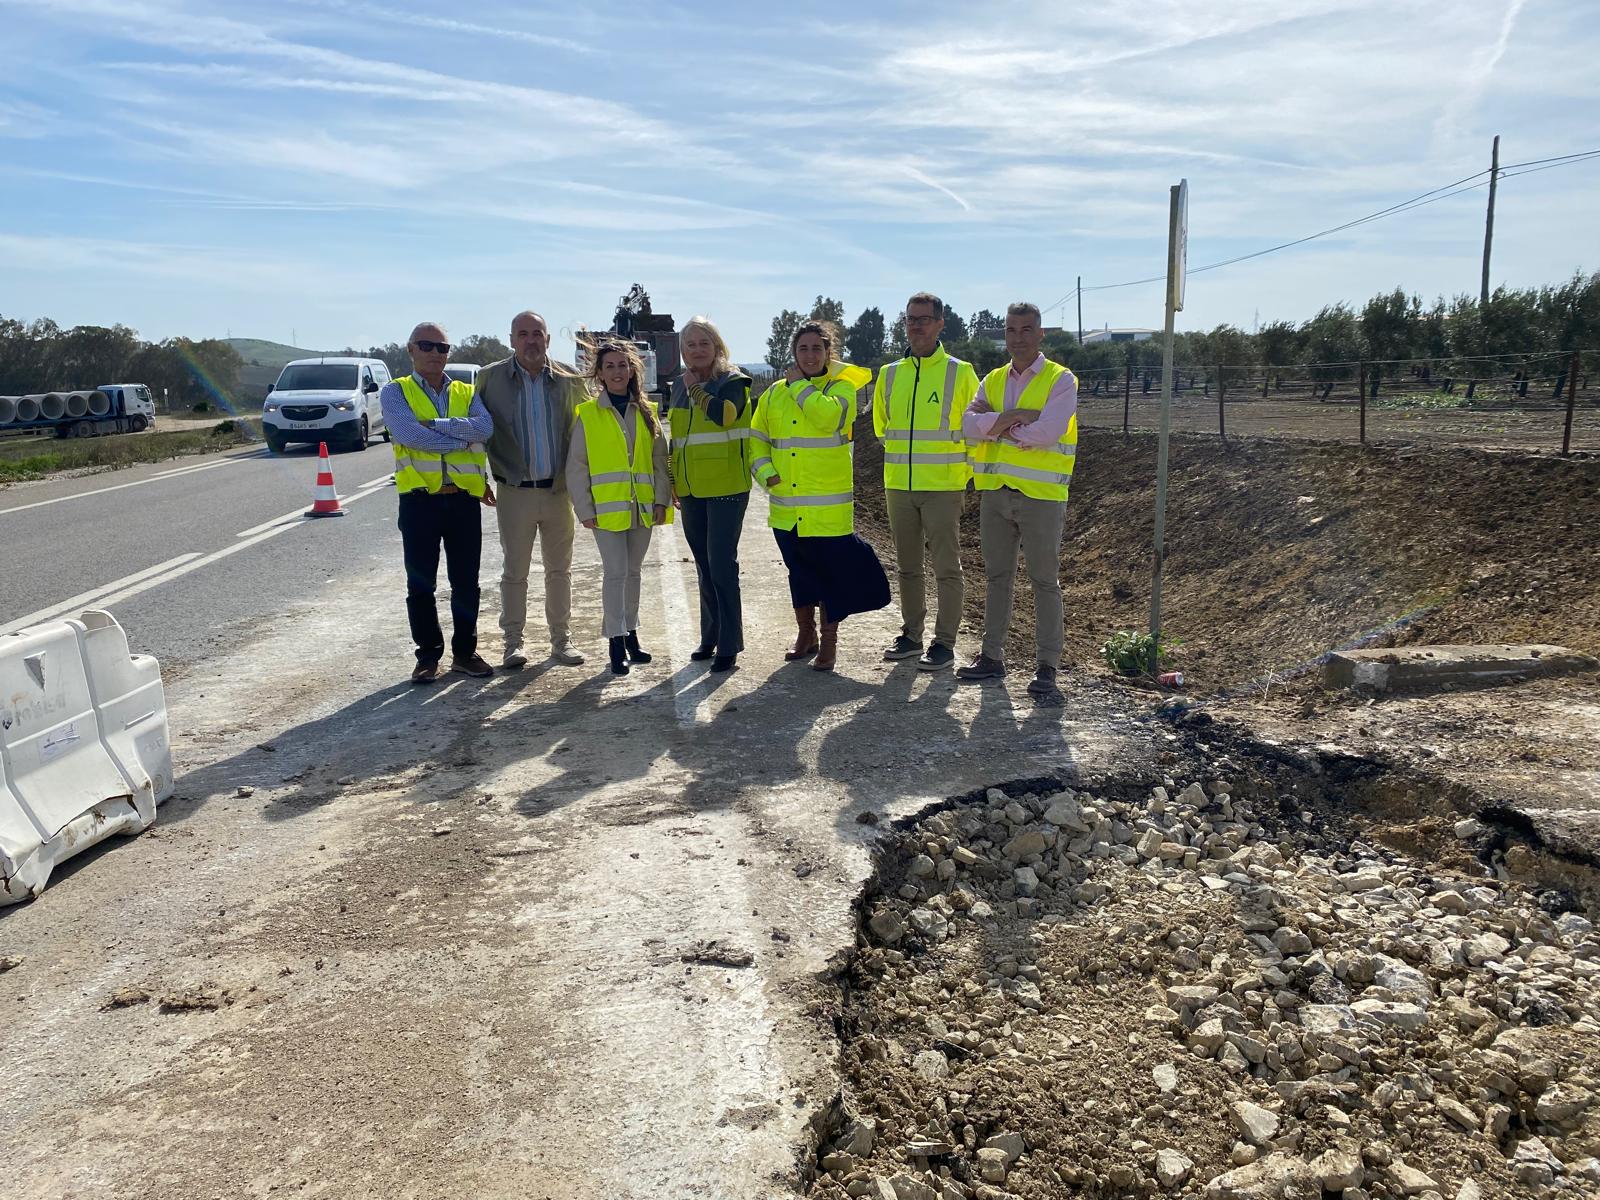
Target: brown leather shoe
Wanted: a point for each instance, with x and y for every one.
(805, 644)
(829, 649)
(425, 672)
(475, 666)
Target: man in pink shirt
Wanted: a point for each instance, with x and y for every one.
(1022, 436)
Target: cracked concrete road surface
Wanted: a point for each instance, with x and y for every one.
(486, 938)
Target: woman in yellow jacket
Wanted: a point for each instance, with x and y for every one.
(617, 478)
(801, 434)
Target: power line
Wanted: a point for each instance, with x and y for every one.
(1466, 183)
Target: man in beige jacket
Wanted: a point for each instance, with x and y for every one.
(532, 398)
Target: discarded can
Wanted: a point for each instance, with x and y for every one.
(1170, 679)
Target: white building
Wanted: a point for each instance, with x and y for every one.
(1109, 334)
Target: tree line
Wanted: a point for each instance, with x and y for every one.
(478, 348)
(1391, 326)
(40, 356)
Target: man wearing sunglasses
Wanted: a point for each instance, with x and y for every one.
(917, 406)
(442, 474)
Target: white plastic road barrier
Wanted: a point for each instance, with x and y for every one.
(52, 406)
(99, 403)
(77, 404)
(8, 409)
(84, 750)
(27, 408)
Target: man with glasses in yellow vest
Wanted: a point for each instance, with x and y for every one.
(917, 405)
(1022, 435)
(441, 471)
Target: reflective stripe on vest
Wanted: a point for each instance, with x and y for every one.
(422, 470)
(926, 458)
(1039, 472)
(624, 491)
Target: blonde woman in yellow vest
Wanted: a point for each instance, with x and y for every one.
(438, 429)
(618, 479)
(1022, 437)
(801, 436)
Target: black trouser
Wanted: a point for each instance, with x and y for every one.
(427, 521)
(712, 528)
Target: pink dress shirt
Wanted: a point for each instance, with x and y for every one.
(1046, 430)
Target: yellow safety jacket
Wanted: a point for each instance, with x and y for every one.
(709, 459)
(916, 412)
(425, 469)
(1042, 472)
(802, 433)
(622, 489)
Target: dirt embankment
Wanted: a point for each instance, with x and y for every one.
(1279, 551)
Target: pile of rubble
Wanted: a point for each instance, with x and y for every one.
(1060, 995)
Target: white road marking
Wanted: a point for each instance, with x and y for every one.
(136, 483)
(296, 514)
(154, 577)
(675, 596)
(87, 599)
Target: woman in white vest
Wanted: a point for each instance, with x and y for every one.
(620, 487)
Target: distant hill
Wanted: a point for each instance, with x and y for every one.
(258, 353)
(263, 361)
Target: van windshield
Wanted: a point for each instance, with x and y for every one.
(318, 377)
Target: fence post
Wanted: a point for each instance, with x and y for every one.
(1572, 403)
(1266, 378)
(1222, 392)
(1127, 389)
(1361, 390)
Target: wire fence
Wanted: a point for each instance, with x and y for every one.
(1535, 401)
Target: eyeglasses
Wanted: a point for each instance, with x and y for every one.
(922, 322)
(432, 347)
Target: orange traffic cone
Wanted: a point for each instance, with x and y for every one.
(327, 500)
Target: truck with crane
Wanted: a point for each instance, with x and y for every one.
(650, 333)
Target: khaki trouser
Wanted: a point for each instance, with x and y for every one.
(622, 554)
(931, 521)
(1006, 520)
(526, 515)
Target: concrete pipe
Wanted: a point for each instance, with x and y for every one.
(99, 404)
(52, 406)
(77, 404)
(27, 408)
(8, 409)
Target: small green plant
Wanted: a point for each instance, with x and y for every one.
(1428, 400)
(1128, 653)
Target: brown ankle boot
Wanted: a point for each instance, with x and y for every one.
(829, 649)
(805, 645)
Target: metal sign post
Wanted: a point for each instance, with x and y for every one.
(1177, 257)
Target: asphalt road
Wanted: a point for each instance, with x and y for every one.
(193, 554)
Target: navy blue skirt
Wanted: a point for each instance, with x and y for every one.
(842, 574)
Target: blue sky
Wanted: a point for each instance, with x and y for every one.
(338, 169)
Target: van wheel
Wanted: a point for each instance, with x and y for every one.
(386, 435)
(276, 445)
(360, 442)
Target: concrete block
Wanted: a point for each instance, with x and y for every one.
(1431, 668)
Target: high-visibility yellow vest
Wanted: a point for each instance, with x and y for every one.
(622, 489)
(916, 410)
(708, 459)
(424, 469)
(1042, 472)
(802, 433)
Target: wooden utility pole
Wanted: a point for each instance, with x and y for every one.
(1080, 310)
(1572, 403)
(1222, 413)
(1488, 223)
(1361, 392)
(1127, 388)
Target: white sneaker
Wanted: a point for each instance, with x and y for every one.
(514, 659)
(566, 655)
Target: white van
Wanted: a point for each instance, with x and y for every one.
(333, 400)
(462, 372)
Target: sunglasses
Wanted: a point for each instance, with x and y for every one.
(432, 347)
